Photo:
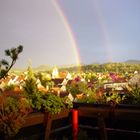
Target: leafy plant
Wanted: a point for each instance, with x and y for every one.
(133, 96)
(13, 111)
(112, 97)
(73, 88)
(54, 104)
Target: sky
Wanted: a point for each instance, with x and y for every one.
(66, 32)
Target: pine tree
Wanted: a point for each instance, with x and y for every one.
(4, 64)
(31, 91)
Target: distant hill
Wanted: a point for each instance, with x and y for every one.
(42, 68)
(72, 67)
(132, 62)
(49, 67)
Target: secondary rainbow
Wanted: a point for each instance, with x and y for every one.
(103, 30)
(69, 31)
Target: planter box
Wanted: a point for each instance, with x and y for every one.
(52, 128)
(44, 119)
(47, 120)
(122, 111)
(34, 119)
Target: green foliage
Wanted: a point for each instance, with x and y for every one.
(4, 64)
(31, 91)
(91, 76)
(112, 97)
(13, 111)
(67, 102)
(54, 104)
(30, 85)
(73, 89)
(133, 97)
(106, 67)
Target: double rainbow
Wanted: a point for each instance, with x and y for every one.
(103, 31)
(69, 31)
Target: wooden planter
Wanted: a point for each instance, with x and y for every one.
(121, 110)
(46, 119)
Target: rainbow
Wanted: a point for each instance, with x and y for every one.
(69, 31)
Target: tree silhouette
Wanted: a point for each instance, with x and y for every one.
(4, 64)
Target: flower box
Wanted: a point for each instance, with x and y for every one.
(46, 119)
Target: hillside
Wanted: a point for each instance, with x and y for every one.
(132, 62)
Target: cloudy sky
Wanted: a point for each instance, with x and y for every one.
(58, 32)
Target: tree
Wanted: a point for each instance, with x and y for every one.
(4, 64)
